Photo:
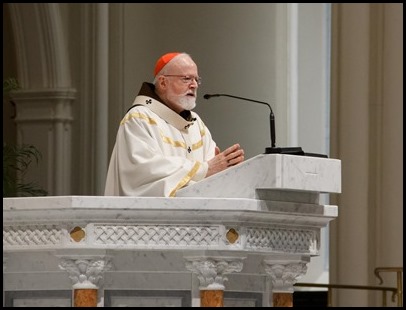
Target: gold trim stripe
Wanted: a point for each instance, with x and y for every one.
(165, 139)
(172, 142)
(186, 179)
(197, 145)
(138, 115)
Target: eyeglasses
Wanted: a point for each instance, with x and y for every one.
(187, 79)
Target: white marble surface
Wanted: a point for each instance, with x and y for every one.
(136, 203)
(148, 238)
(167, 224)
(270, 171)
(93, 209)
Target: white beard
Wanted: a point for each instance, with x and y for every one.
(188, 103)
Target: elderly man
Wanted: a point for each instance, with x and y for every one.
(161, 145)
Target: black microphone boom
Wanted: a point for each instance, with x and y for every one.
(271, 115)
(272, 149)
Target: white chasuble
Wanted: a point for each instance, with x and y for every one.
(157, 151)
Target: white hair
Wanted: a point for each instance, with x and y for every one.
(166, 68)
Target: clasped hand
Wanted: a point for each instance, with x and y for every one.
(222, 160)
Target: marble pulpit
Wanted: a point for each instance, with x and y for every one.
(242, 237)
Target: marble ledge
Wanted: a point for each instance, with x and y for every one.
(121, 202)
(270, 172)
(170, 210)
(160, 203)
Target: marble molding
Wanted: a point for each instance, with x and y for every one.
(211, 271)
(148, 239)
(259, 227)
(85, 272)
(139, 223)
(285, 273)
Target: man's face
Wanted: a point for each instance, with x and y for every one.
(182, 83)
(182, 95)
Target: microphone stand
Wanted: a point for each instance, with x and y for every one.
(272, 149)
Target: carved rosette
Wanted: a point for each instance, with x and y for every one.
(284, 275)
(85, 273)
(211, 270)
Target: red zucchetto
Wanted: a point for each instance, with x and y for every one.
(163, 60)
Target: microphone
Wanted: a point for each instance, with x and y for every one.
(271, 115)
(272, 149)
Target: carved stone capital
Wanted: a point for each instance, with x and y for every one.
(284, 274)
(85, 273)
(211, 270)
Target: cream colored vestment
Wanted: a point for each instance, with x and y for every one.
(157, 151)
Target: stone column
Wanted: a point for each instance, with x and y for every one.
(86, 275)
(211, 274)
(44, 119)
(284, 274)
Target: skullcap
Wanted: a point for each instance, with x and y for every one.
(162, 62)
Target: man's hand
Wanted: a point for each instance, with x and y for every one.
(222, 160)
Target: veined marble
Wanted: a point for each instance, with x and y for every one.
(270, 171)
(130, 245)
(165, 223)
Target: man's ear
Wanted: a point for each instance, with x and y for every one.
(162, 81)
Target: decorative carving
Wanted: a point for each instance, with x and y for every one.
(31, 235)
(85, 272)
(275, 239)
(158, 235)
(284, 275)
(77, 234)
(280, 239)
(232, 235)
(211, 270)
